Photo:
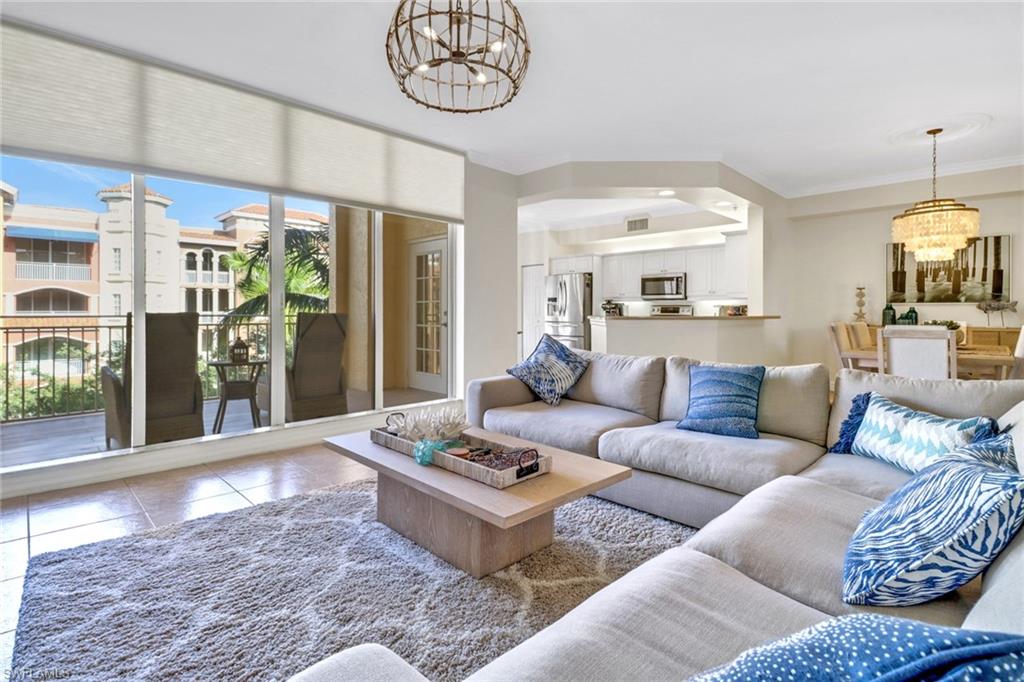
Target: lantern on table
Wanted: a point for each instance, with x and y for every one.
(239, 352)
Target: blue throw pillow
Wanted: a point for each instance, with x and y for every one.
(997, 450)
(934, 534)
(551, 370)
(723, 400)
(850, 426)
(871, 646)
(911, 440)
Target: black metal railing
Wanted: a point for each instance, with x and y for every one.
(50, 369)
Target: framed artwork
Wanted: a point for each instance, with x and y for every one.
(978, 273)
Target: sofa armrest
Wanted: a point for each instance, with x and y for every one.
(366, 662)
(500, 391)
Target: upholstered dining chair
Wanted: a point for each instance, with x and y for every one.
(174, 391)
(917, 351)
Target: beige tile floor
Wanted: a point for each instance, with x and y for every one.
(76, 516)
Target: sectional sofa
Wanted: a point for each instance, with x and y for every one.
(776, 515)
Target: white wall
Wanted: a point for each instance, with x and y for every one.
(490, 277)
(837, 243)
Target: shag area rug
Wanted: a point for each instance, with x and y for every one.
(264, 592)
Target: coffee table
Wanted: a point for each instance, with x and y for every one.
(474, 527)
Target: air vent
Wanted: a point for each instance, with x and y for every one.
(638, 224)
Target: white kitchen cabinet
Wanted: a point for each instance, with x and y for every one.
(653, 263)
(698, 272)
(675, 261)
(734, 267)
(632, 271)
(569, 264)
(611, 277)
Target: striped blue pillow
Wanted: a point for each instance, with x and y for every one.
(936, 533)
(911, 440)
(723, 400)
(551, 370)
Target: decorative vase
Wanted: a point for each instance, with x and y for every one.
(888, 315)
(912, 316)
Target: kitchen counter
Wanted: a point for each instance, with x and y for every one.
(718, 318)
(749, 339)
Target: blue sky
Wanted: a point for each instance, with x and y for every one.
(75, 186)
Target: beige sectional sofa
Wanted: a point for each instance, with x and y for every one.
(768, 559)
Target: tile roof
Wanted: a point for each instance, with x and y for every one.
(293, 213)
(127, 187)
(205, 234)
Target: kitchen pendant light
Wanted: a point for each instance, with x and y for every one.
(935, 229)
(459, 57)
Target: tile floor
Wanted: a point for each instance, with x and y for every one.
(76, 516)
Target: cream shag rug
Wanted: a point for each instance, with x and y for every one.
(264, 592)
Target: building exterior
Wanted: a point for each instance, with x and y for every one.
(66, 273)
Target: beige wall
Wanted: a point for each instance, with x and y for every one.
(399, 232)
(487, 315)
(838, 240)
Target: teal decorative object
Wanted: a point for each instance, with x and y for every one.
(888, 315)
(912, 315)
(423, 451)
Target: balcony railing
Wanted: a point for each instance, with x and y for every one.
(59, 373)
(59, 272)
(190, 276)
(223, 277)
(207, 276)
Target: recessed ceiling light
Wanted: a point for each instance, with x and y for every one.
(667, 193)
(724, 204)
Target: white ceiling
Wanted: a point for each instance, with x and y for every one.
(803, 97)
(563, 214)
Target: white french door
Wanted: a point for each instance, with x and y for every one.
(428, 315)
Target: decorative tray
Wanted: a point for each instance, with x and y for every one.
(521, 469)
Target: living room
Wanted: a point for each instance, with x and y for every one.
(590, 340)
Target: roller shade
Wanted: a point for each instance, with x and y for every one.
(67, 99)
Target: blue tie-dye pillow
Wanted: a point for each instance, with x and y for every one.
(551, 370)
(934, 534)
(723, 400)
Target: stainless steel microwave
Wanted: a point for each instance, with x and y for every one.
(663, 287)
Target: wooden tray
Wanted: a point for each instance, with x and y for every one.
(478, 472)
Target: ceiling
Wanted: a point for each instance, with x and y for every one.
(802, 97)
(563, 214)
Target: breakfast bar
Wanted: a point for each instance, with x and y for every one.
(741, 339)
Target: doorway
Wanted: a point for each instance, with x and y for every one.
(532, 308)
(428, 315)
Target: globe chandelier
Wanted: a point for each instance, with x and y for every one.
(935, 229)
(458, 56)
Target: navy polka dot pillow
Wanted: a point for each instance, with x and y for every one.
(871, 646)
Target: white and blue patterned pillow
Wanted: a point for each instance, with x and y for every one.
(551, 370)
(997, 450)
(871, 646)
(909, 439)
(936, 533)
(723, 400)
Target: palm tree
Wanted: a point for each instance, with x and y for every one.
(306, 275)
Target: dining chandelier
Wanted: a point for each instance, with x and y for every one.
(933, 230)
(460, 57)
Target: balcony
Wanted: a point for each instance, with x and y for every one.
(56, 272)
(190, 276)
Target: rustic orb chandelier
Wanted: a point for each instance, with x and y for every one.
(935, 229)
(457, 56)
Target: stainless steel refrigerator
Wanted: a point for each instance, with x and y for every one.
(569, 306)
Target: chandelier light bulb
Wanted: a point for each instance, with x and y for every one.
(423, 67)
(429, 32)
(481, 77)
(497, 46)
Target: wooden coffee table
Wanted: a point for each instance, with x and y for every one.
(473, 526)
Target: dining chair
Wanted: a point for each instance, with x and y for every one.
(1018, 357)
(847, 355)
(917, 351)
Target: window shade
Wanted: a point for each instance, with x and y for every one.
(67, 99)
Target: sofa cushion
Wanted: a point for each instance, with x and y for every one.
(551, 370)
(935, 534)
(868, 477)
(1001, 607)
(791, 535)
(676, 615)
(944, 397)
(570, 425)
(366, 662)
(723, 400)
(627, 382)
(794, 400)
(736, 465)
